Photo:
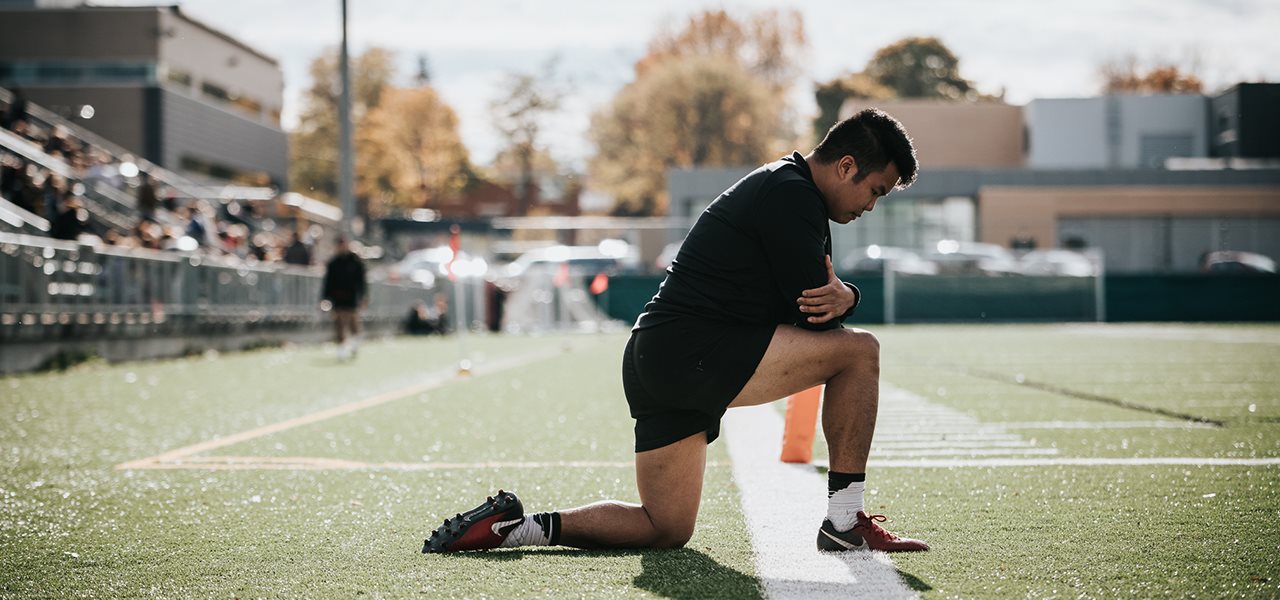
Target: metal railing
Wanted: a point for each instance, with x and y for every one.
(55, 289)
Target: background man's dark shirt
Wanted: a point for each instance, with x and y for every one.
(344, 281)
(751, 253)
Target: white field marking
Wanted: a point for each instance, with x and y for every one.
(910, 426)
(944, 436)
(982, 463)
(433, 381)
(966, 452)
(1106, 425)
(784, 505)
(949, 443)
(312, 463)
(1173, 332)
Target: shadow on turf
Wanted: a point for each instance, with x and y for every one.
(686, 574)
(682, 574)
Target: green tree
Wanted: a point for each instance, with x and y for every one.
(920, 67)
(830, 96)
(915, 67)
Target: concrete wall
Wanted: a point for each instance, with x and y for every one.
(100, 33)
(1116, 132)
(956, 134)
(1067, 134)
(1153, 128)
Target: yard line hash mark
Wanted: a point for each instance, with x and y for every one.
(1070, 393)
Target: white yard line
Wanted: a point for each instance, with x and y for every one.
(784, 506)
(434, 381)
(314, 463)
(1106, 425)
(983, 463)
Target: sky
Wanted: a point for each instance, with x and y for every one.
(1028, 49)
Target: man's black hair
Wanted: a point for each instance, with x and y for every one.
(873, 138)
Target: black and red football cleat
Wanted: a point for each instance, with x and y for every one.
(866, 534)
(481, 528)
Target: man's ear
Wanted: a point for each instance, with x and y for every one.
(848, 167)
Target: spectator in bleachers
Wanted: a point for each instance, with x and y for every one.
(147, 199)
(17, 112)
(51, 191)
(70, 222)
(197, 218)
(297, 253)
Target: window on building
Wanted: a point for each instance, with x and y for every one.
(179, 78)
(248, 105)
(71, 72)
(215, 91)
(1155, 149)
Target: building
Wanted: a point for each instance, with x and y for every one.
(1246, 122)
(1116, 132)
(153, 80)
(1079, 172)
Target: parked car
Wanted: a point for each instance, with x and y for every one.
(1231, 261)
(606, 257)
(953, 256)
(426, 265)
(872, 259)
(1057, 262)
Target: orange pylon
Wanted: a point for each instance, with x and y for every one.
(801, 424)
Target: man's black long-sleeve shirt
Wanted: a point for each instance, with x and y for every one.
(344, 281)
(752, 253)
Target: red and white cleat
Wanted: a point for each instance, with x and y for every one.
(866, 534)
(481, 528)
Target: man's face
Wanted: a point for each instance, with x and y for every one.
(849, 200)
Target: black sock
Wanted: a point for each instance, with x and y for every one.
(550, 522)
(837, 481)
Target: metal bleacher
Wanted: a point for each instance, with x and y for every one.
(57, 294)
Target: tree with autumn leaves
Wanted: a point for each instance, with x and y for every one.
(408, 150)
(711, 92)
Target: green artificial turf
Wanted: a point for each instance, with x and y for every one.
(72, 525)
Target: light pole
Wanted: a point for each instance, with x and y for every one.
(346, 172)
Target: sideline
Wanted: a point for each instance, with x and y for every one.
(438, 379)
(784, 504)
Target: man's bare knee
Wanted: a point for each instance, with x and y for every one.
(862, 349)
(672, 537)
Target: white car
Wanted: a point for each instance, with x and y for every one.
(1057, 262)
(954, 256)
(426, 265)
(873, 258)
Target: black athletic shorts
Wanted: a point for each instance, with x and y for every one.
(680, 376)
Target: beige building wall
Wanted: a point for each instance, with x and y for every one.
(208, 55)
(956, 135)
(1008, 212)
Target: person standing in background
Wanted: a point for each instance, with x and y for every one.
(345, 290)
